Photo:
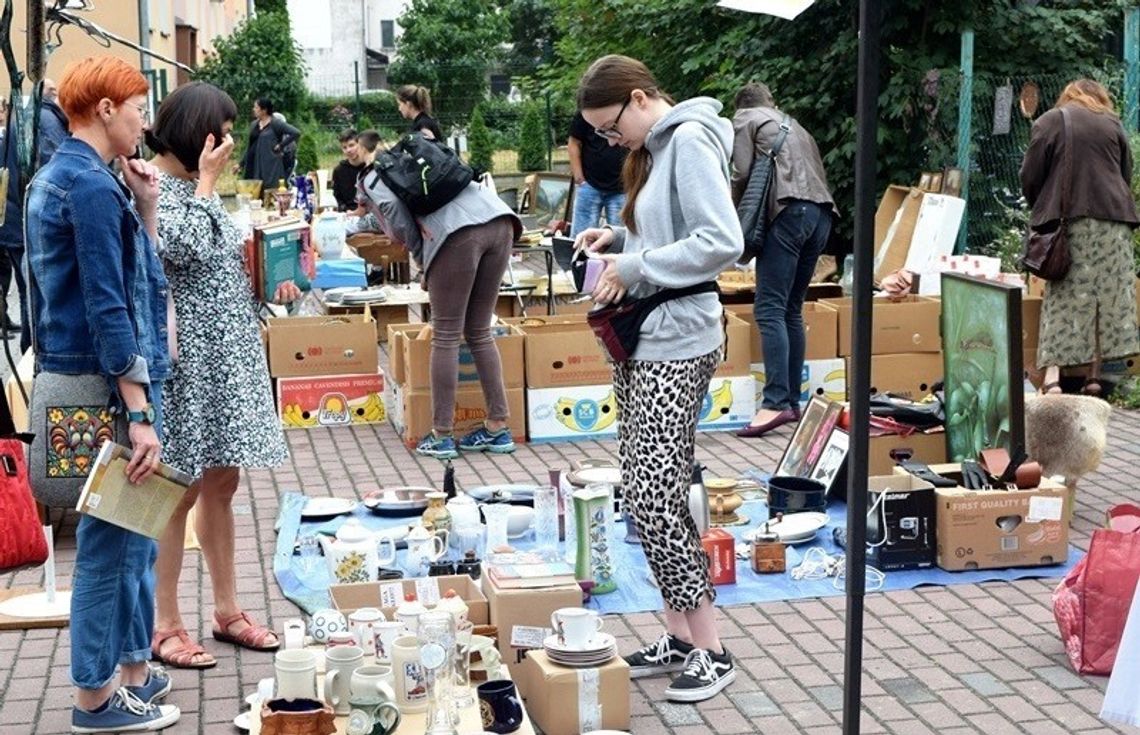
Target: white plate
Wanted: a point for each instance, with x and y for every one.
(323, 507)
(601, 642)
(252, 699)
(795, 528)
(591, 475)
(241, 722)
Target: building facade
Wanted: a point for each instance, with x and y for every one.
(346, 42)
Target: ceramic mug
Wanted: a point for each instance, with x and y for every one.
(340, 639)
(409, 675)
(384, 635)
(575, 626)
(296, 673)
(373, 682)
(374, 716)
(340, 663)
(499, 706)
(361, 623)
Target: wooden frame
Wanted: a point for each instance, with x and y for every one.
(952, 181)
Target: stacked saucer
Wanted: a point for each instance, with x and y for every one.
(601, 649)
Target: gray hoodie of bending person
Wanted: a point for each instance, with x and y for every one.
(687, 231)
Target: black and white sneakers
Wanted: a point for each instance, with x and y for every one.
(705, 674)
(664, 656)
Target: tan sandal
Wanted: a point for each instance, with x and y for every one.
(187, 655)
(253, 637)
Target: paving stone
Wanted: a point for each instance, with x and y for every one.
(985, 684)
(1060, 678)
(753, 704)
(674, 715)
(830, 697)
(908, 690)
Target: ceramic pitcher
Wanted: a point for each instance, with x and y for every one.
(424, 547)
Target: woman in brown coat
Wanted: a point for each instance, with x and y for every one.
(1090, 315)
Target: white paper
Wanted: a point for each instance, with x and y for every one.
(427, 591)
(528, 636)
(1045, 509)
(391, 594)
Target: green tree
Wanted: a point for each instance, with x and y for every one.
(532, 140)
(307, 159)
(533, 33)
(259, 59)
(448, 46)
(270, 6)
(479, 144)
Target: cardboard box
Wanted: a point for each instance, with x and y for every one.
(720, 545)
(901, 531)
(562, 351)
(907, 375)
(935, 232)
(997, 529)
(566, 701)
(910, 325)
(820, 330)
(383, 314)
(412, 412)
(416, 355)
(347, 598)
(590, 411)
(895, 220)
(331, 400)
(738, 350)
(926, 448)
(374, 248)
(523, 615)
(827, 378)
(1031, 321)
(323, 345)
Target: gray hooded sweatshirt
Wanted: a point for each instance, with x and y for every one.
(687, 231)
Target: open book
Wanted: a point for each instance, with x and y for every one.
(145, 508)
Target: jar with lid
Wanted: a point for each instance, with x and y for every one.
(769, 555)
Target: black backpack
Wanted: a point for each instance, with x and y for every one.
(423, 174)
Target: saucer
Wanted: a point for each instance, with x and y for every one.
(324, 507)
(795, 528)
(599, 643)
(241, 722)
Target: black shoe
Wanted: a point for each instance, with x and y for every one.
(665, 655)
(705, 674)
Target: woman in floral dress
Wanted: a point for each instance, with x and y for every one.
(220, 414)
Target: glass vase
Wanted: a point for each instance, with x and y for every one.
(592, 510)
(436, 634)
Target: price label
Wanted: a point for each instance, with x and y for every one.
(391, 594)
(528, 636)
(1045, 509)
(427, 591)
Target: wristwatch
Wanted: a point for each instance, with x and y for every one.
(145, 416)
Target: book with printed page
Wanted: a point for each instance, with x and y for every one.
(280, 252)
(526, 570)
(145, 508)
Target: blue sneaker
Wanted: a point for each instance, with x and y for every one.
(157, 685)
(485, 440)
(124, 712)
(440, 447)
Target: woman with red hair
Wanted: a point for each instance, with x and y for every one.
(98, 306)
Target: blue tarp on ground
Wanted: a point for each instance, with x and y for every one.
(307, 586)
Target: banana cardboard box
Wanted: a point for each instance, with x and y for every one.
(827, 378)
(412, 409)
(908, 375)
(590, 411)
(820, 330)
(331, 400)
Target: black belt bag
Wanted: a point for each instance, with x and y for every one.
(618, 326)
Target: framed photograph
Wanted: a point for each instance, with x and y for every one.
(935, 183)
(832, 459)
(924, 181)
(798, 456)
(982, 365)
(952, 182)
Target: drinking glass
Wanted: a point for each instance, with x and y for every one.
(546, 518)
(461, 692)
(310, 548)
(497, 515)
(437, 640)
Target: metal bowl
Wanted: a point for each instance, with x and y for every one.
(398, 501)
(513, 494)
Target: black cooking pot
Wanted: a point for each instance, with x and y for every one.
(789, 495)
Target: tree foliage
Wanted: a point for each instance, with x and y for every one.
(270, 6)
(695, 48)
(448, 46)
(532, 140)
(480, 147)
(533, 34)
(259, 59)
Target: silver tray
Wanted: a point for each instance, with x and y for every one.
(397, 500)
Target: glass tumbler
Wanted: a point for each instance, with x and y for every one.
(310, 548)
(546, 518)
(461, 692)
(497, 516)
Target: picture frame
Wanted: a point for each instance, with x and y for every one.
(832, 459)
(924, 181)
(806, 443)
(935, 183)
(952, 181)
(982, 366)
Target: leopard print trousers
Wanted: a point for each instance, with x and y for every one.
(659, 404)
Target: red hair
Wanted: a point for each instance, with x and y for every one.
(86, 82)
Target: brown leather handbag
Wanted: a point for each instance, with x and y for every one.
(1046, 254)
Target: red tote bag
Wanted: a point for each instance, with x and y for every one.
(1091, 604)
(22, 542)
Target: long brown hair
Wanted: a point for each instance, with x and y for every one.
(1088, 94)
(416, 95)
(609, 81)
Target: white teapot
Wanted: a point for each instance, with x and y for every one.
(355, 556)
(424, 547)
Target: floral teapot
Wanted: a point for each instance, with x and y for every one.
(354, 556)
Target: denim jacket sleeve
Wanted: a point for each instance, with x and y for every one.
(97, 212)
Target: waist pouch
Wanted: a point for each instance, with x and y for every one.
(618, 326)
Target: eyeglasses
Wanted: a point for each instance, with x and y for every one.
(144, 112)
(612, 132)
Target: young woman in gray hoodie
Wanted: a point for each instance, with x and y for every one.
(680, 229)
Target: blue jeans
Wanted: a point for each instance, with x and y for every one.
(589, 204)
(112, 595)
(783, 271)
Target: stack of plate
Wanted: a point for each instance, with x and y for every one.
(599, 651)
(365, 296)
(795, 528)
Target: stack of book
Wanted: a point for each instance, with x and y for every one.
(277, 253)
(528, 570)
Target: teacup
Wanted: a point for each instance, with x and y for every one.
(575, 626)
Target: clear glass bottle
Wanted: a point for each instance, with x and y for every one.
(847, 280)
(437, 641)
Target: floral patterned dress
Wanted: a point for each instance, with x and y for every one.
(218, 403)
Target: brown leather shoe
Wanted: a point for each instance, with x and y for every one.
(786, 416)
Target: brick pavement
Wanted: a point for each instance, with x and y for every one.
(954, 660)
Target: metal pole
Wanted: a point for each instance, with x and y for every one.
(867, 123)
(37, 59)
(144, 33)
(549, 133)
(965, 118)
(356, 93)
(1131, 68)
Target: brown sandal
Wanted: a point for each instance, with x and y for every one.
(184, 655)
(254, 637)
(1052, 389)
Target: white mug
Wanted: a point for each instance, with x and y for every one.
(384, 635)
(575, 626)
(340, 663)
(361, 623)
(409, 675)
(294, 637)
(296, 674)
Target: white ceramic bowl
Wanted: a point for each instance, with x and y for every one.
(520, 520)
